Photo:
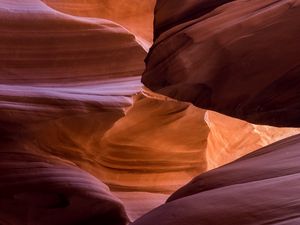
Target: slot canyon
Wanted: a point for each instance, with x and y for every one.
(150, 112)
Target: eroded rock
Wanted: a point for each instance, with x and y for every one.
(259, 188)
(240, 59)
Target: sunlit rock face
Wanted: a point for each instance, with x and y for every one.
(231, 138)
(240, 58)
(136, 15)
(161, 144)
(260, 188)
(157, 146)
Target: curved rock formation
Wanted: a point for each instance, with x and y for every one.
(136, 16)
(168, 13)
(240, 59)
(157, 146)
(52, 48)
(70, 98)
(35, 189)
(230, 138)
(161, 144)
(62, 73)
(260, 188)
(64, 81)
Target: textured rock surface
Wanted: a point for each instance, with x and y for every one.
(260, 188)
(240, 59)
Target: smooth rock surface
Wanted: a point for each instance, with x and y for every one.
(51, 48)
(136, 15)
(37, 190)
(169, 13)
(240, 59)
(230, 138)
(260, 188)
(157, 146)
(70, 98)
(64, 81)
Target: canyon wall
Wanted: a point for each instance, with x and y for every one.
(79, 130)
(240, 58)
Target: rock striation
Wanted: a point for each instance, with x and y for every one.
(64, 81)
(136, 16)
(60, 74)
(240, 58)
(50, 48)
(259, 188)
(75, 118)
(35, 189)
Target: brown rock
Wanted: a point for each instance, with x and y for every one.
(35, 189)
(66, 87)
(260, 188)
(62, 79)
(156, 147)
(169, 14)
(230, 138)
(50, 48)
(240, 59)
(136, 16)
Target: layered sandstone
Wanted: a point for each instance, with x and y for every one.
(240, 58)
(64, 80)
(63, 77)
(71, 101)
(260, 188)
(35, 189)
(136, 16)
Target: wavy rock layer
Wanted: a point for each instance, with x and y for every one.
(50, 48)
(162, 150)
(136, 16)
(251, 190)
(35, 189)
(66, 87)
(64, 80)
(240, 58)
(230, 138)
(62, 73)
(161, 144)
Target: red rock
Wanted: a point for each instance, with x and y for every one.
(62, 78)
(136, 16)
(240, 59)
(260, 188)
(70, 98)
(51, 48)
(65, 79)
(35, 189)
(168, 14)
